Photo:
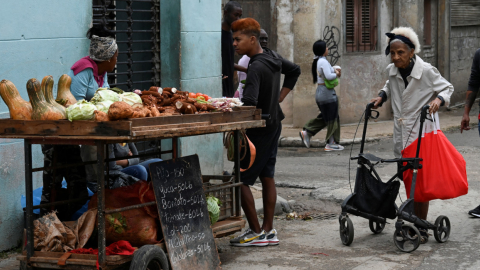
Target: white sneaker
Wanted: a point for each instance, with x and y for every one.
(305, 138)
(250, 238)
(272, 238)
(333, 147)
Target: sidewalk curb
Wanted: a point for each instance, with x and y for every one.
(297, 142)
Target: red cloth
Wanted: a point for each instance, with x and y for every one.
(117, 248)
(443, 175)
(85, 63)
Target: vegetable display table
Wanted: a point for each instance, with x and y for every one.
(101, 134)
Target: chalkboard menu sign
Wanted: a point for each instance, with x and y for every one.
(182, 208)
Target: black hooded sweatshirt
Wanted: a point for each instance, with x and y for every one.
(262, 87)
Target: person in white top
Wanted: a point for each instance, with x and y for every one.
(326, 99)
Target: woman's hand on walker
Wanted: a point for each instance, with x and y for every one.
(377, 101)
(434, 105)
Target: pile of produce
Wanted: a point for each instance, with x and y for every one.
(213, 207)
(107, 104)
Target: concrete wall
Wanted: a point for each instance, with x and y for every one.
(191, 59)
(37, 38)
(464, 41)
(299, 25)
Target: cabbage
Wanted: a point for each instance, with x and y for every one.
(103, 105)
(104, 94)
(130, 98)
(82, 110)
(213, 209)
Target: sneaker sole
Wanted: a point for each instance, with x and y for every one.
(303, 139)
(273, 243)
(475, 215)
(330, 150)
(250, 244)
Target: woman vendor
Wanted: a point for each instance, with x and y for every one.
(412, 83)
(90, 72)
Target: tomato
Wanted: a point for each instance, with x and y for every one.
(200, 97)
(199, 94)
(206, 97)
(192, 95)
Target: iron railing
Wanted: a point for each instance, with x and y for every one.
(136, 24)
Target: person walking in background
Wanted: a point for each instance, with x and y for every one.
(231, 12)
(473, 86)
(262, 91)
(326, 99)
(244, 63)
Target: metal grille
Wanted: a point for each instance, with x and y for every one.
(136, 24)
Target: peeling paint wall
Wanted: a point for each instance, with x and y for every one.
(464, 41)
(36, 39)
(362, 73)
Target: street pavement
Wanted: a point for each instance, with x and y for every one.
(322, 178)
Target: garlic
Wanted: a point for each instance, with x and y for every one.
(160, 90)
(174, 90)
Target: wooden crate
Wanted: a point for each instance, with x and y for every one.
(134, 129)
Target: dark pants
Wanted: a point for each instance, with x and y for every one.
(327, 103)
(55, 155)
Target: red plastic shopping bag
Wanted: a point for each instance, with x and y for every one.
(443, 175)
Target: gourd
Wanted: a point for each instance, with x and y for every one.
(42, 110)
(18, 107)
(47, 89)
(63, 91)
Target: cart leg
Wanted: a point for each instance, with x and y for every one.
(102, 259)
(29, 197)
(236, 143)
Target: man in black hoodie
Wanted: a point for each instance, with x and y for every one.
(262, 89)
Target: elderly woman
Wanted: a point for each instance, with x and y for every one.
(412, 83)
(90, 72)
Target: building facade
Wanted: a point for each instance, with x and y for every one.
(354, 30)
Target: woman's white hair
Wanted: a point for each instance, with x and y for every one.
(410, 34)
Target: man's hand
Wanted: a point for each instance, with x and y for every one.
(434, 105)
(130, 153)
(465, 124)
(377, 101)
(224, 77)
(283, 93)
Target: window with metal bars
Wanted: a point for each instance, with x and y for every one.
(361, 25)
(136, 24)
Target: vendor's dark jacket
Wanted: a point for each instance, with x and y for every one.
(262, 87)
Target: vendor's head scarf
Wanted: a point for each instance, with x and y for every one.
(102, 48)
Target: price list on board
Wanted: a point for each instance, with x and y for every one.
(184, 219)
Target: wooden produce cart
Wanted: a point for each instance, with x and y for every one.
(101, 134)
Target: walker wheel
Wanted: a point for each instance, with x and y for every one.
(346, 230)
(376, 227)
(407, 239)
(442, 229)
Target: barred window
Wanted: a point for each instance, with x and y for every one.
(361, 25)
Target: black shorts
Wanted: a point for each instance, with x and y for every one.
(266, 146)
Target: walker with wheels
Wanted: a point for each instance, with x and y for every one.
(375, 200)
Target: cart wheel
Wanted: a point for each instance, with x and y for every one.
(149, 257)
(346, 230)
(376, 227)
(442, 229)
(407, 239)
